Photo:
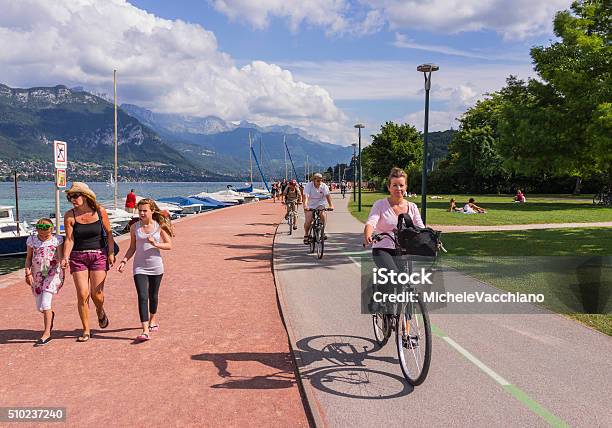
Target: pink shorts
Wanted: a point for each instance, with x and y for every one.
(88, 260)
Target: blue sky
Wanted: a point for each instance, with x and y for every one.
(317, 64)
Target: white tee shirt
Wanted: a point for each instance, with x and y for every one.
(316, 197)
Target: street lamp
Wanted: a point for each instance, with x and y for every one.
(359, 126)
(354, 173)
(426, 69)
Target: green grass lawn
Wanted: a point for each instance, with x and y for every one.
(571, 267)
(501, 210)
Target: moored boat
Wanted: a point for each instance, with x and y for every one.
(189, 205)
(13, 235)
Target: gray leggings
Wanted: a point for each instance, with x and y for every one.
(147, 287)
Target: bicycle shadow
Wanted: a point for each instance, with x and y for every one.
(344, 371)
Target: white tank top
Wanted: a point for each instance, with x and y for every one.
(147, 259)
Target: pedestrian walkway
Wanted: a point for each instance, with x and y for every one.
(221, 357)
(489, 369)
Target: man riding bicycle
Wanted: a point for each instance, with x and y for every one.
(316, 194)
(292, 197)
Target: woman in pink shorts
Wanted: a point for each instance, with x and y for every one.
(89, 257)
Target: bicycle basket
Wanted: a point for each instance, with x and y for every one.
(415, 240)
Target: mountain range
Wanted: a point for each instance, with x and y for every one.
(151, 145)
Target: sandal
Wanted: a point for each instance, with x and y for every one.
(103, 322)
(84, 338)
(143, 337)
(41, 341)
(306, 240)
(154, 328)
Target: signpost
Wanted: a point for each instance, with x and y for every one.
(60, 157)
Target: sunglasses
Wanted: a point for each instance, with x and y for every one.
(43, 226)
(72, 196)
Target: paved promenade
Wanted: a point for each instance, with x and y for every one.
(221, 357)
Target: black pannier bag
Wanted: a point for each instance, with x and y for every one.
(415, 240)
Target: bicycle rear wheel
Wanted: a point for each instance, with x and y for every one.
(413, 340)
(291, 222)
(382, 328)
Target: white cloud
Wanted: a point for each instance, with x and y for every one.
(389, 80)
(460, 99)
(168, 66)
(401, 41)
(324, 13)
(513, 19)
(438, 120)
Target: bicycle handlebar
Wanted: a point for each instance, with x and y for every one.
(379, 237)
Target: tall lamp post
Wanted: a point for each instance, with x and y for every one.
(359, 126)
(426, 69)
(354, 173)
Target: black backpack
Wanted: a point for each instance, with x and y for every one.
(415, 240)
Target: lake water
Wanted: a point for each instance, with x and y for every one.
(37, 199)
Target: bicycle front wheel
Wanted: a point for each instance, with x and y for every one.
(313, 239)
(290, 222)
(413, 340)
(320, 242)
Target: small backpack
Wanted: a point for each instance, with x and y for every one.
(415, 240)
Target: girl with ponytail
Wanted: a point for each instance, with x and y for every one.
(152, 233)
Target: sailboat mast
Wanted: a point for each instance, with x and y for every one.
(115, 102)
(251, 157)
(285, 152)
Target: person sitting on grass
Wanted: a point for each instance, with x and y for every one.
(472, 208)
(520, 197)
(453, 206)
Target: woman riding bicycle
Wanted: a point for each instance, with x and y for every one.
(383, 218)
(410, 319)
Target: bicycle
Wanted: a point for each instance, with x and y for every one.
(316, 236)
(603, 197)
(292, 216)
(412, 331)
(343, 192)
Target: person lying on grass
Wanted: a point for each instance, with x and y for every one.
(472, 208)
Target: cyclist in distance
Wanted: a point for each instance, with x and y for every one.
(383, 218)
(292, 197)
(316, 194)
(343, 188)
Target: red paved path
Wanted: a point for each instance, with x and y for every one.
(221, 357)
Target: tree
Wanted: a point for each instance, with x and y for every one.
(394, 146)
(561, 123)
(474, 163)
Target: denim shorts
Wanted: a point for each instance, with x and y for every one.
(88, 260)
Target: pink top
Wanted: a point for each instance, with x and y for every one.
(383, 219)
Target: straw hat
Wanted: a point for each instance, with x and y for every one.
(79, 187)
